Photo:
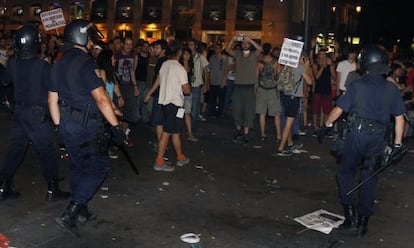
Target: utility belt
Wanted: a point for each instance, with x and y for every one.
(80, 116)
(38, 110)
(366, 125)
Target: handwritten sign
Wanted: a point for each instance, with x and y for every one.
(290, 52)
(53, 19)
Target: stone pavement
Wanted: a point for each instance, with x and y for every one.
(234, 196)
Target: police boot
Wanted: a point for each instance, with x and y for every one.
(362, 226)
(85, 215)
(54, 193)
(6, 191)
(350, 217)
(68, 219)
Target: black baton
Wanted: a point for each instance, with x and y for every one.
(128, 158)
(379, 170)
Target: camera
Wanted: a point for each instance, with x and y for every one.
(240, 38)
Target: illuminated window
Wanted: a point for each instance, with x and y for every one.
(17, 10)
(152, 11)
(35, 9)
(76, 10)
(124, 10)
(99, 10)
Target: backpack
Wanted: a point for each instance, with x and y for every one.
(267, 79)
(285, 81)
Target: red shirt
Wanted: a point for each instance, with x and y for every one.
(410, 78)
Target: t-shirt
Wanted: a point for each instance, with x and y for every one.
(344, 67)
(298, 77)
(246, 68)
(217, 66)
(172, 77)
(200, 62)
(124, 67)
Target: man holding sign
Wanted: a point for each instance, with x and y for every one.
(296, 63)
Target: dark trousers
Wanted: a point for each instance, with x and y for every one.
(87, 147)
(360, 148)
(216, 100)
(29, 125)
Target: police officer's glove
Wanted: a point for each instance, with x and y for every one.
(117, 135)
(397, 152)
(320, 134)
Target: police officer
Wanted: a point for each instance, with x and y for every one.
(79, 104)
(370, 102)
(30, 77)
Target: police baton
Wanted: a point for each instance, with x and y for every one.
(131, 163)
(385, 164)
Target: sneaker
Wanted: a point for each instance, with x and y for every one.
(301, 133)
(295, 149)
(183, 162)
(238, 138)
(284, 153)
(201, 118)
(192, 138)
(163, 167)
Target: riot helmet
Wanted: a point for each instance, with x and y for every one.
(374, 59)
(79, 31)
(27, 41)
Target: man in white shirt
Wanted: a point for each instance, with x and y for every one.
(343, 69)
(173, 85)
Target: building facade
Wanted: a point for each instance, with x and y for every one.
(207, 20)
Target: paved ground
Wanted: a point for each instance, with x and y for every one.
(223, 195)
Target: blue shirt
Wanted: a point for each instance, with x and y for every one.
(373, 98)
(74, 78)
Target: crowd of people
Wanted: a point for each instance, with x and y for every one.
(170, 85)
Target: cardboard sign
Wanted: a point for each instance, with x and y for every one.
(53, 19)
(290, 52)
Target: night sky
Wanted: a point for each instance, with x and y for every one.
(386, 21)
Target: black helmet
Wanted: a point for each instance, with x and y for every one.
(79, 31)
(374, 59)
(27, 40)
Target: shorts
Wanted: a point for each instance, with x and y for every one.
(324, 102)
(188, 101)
(172, 124)
(268, 101)
(291, 105)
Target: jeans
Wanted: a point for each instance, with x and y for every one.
(142, 107)
(195, 106)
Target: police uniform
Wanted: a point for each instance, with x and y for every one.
(76, 88)
(81, 124)
(30, 77)
(371, 101)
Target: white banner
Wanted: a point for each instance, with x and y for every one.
(290, 52)
(53, 19)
